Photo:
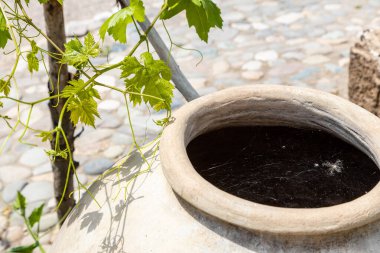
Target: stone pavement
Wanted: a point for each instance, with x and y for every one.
(302, 43)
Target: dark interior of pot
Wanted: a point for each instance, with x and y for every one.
(283, 166)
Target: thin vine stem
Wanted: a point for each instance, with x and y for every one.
(30, 231)
(28, 20)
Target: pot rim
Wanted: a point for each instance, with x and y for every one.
(357, 126)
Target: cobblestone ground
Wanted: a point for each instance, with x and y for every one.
(301, 43)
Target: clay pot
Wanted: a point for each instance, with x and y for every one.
(173, 209)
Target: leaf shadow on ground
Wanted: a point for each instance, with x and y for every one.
(114, 200)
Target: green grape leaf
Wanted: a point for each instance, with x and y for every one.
(163, 122)
(35, 216)
(202, 14)
(4, 37)
(83, 110)
(45, 135)
(54, 153)
(148, 80)
(45, 1)
(77, 54)
(82, 104)
(175, 7)
(33, 63)
(116, 25)
(161, 88)
(4, 32)
(74, 88)
(24, 249)
(20, 203)
(213, 13)
(5, 87)
(34, 46)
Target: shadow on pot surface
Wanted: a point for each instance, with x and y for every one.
(178, 207)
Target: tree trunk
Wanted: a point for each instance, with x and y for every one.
(364, 72)
(55, 30)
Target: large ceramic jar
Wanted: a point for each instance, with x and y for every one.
(174, 209)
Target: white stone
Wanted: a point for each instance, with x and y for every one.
(52, 203)
(269, 55)
(355, 28)
(289, 18)
(10, 191)
(241, 26)
(343, 62)
(102, 16)
(252, 75)
(198, 82)
(14, 233)
(97, 166)
(47, 221)
(316, 48)
(16, 220)
(7, 158)
(260, 26)
(296, 41)
(207, 90)
(36, 115)
(87, 139)
(332, 7)
(233, 16)
(114, 151)
(77, 27)
(34, 157)
(252, 65)
(11, 173)
(35, 191)
(109, 105)
(31, 89)
(22, 67)
(220, 67)
(109, 121)
(326, 85)
(106, 79)
(333, 35)
(42, 169)
(115, 58)
(33, 205)
(293, 55)
(316, 59)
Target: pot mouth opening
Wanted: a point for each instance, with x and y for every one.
(283, 166)
(263, 106)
